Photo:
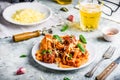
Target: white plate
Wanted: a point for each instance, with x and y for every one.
(9, 11)
(53, 66)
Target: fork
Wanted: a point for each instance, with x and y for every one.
(107, 55)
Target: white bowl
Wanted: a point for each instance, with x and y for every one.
(9, 11)
(110, 34)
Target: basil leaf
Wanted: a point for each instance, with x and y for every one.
(22, 56)
(81, 47)
(65, 78)
(57, 37)
(82, 39)
(64, 28)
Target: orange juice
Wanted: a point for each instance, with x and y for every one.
(64, 1)
(89, 16)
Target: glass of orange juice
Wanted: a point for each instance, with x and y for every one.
(90, 14)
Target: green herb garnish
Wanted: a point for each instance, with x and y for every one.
(80, 46)
(70, 56)
(44, 51)
(64, 9)
(64, 28)
(82, 39)
(49, 51)
(22, 56)
(66, 78)
(57, 37)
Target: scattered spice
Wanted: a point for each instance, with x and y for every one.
(70, 18)
(59, 25)
(64, 9)
(47, 31)
(110, 33)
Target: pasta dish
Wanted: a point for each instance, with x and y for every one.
(65, 51)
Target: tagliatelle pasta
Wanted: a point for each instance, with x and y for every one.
(63, 51)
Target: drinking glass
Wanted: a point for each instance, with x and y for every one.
(90, 14)
(64, 1)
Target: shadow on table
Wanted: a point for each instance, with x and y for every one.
(101, 39)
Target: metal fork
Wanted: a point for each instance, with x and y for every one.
(107, 55)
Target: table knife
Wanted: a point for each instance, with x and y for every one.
(106, 72)
(28, 35)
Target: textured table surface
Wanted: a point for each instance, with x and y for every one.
(10, 51)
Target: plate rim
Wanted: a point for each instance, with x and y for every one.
(27, 24)
(58, 69)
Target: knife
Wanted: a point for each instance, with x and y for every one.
(28, 35)
(106, 72)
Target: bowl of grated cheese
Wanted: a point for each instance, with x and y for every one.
(27, 14)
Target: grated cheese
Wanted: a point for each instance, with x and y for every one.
(28, 16)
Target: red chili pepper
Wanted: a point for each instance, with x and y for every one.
(70, 18)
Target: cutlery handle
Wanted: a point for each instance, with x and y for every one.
(91, 72)
(25, 36)
(107, 71)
